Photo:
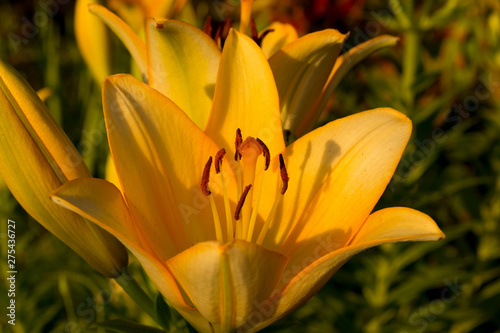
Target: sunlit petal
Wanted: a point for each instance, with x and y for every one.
(245, 97)
(182, 64)
(282, 34)
(159, 155)
(132, 42)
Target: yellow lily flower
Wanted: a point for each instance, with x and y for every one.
(238, 248)
(92, 37)
(36, 157)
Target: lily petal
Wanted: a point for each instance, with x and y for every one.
(385, 226)
(282, 34)
(342, 66)
(47, 159)
(245, 97)
(164, 8)
(132, 42)
(337, 174)
(159, 155)
(92, 39)
(85, 197)
(252, 272)
(301, 69)
(183, 63)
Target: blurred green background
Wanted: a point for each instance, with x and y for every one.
(444, 74)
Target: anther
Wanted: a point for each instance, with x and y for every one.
(265, 153)
(206, 177)
(284, 175)
(218, 160)
(237, 143)
(253, 31)
(225, 32)
(207, 28)
(241, 202)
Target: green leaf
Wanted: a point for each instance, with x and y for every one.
(164, 315)
(125, 326)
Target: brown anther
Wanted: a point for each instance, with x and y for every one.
(284, 175)
(265, 153)
(207, 28)
(205, 178)
(218, 160)
(253, 31)
(159, 25)
(237, 143)
(225, 32)
(241, 202)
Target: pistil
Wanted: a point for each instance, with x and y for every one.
(250, 150)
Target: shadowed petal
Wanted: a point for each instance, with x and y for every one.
(384, 226)
(301, 69)
(342, 66)
(36, 157)
(237, 273)
(337, 174)
(92, 39)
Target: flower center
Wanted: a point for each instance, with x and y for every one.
(242, 223)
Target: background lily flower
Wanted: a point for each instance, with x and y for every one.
(36, 157)
(263, 233)
(180, 58)
(91, 34)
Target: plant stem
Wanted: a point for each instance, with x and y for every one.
(410, 61)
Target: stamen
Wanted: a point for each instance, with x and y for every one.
(237, 143)
(269, 219)
(253, 31)
(205, 178)
(218, 228)
(207, 28)
(284, 175)
(218, 159)
(229, 219)
(225, 32)
(241, 202)
(217, 34)
(265, 152)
